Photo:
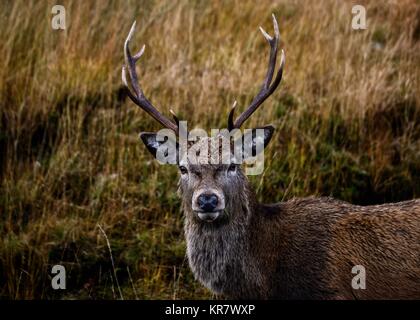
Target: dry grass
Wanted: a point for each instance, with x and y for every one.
(347, 118)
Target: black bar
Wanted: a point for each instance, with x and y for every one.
(215, 309)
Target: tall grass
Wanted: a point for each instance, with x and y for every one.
(347, 117)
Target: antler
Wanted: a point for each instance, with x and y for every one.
(138, 96)
(268, 86)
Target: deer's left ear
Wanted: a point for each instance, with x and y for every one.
(256, 140)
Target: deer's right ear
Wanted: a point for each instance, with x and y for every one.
(150, 141)
(163, 147)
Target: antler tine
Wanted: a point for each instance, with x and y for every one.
(273, 41)
(268, 86)
(138, 97)
(174, 116)
(230, 118)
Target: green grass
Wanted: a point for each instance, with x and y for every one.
(347, 116)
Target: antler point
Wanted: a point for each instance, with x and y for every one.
(130, 34)
(276, 27)
(283, 58)
(123, 76)
(265, 34)
(140, 53)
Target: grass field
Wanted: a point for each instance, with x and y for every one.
(347, 116)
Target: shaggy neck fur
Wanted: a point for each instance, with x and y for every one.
(219, 253)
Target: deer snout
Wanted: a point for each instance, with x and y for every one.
(207, 202)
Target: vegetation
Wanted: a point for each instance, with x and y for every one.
(347, 116)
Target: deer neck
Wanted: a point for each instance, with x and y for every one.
(219, 253)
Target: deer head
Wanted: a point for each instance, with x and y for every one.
(211, 191)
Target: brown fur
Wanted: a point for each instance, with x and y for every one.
(300, 249)
(318, 240)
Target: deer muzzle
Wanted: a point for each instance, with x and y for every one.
(208, 205)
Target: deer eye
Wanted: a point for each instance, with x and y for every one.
(183, 170)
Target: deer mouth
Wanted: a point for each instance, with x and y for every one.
(209, 216)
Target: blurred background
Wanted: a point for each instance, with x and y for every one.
(347, 116)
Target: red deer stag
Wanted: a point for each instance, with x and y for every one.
(304, 248)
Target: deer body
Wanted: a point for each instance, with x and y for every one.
(306, 248)
(299, 249)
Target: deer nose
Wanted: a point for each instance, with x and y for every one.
(207, 202)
